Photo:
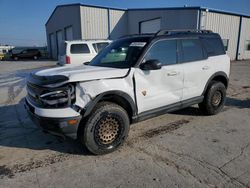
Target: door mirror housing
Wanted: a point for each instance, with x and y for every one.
(151, 65)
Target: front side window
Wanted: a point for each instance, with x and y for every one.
(99, 46)
(79, 49)
(164, 51)
(191, 50)
(122, 53)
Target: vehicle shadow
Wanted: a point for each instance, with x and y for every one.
(17, 130)
(239, 103)
(230, 102)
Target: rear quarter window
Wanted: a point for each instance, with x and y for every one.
(79, 49)
(213, 46)
(192, 50)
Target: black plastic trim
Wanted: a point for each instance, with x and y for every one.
(165, 109)
(125, 96)
(220, 73)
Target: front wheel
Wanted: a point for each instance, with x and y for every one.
(35, 57)
(214, 98)
(106, 129)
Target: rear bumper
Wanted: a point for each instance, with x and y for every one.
(56, 126)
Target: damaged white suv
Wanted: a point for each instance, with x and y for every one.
(134, 78)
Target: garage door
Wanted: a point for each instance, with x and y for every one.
(150, 26)
(68, 33)
(52, 40)
(59, 39)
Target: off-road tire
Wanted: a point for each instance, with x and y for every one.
(214, 99)
(91, 134)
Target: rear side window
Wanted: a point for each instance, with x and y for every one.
(164, 51)
(191, 50)
(213, 46)
(99, 46)
(79, 49)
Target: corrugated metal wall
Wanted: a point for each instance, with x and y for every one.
(118, 23)
(226, 25)
(170, 19)
(62, 18)
(94, 23)
(244, 53)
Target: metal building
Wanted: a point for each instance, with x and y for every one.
(79, 21)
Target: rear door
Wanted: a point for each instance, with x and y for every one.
(196, 66)
(159, 88)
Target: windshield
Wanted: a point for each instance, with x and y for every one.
(122, 53)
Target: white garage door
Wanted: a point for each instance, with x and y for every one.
(150, 26)
(69, 33)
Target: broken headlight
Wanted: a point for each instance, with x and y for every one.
(61, 97)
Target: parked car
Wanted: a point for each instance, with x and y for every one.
(156, 74)
(26, 54)
(79, 52)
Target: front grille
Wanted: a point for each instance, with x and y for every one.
(34, 93)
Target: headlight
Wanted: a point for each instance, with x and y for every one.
(60, 97)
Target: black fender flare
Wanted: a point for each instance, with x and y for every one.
(220, 73)
(99, 97)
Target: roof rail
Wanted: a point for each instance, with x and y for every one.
(140, 34)
(79, 40)
(169, 32)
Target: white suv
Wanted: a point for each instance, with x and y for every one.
(134, 78)
(81, 51)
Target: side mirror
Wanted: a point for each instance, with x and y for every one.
(151, 65)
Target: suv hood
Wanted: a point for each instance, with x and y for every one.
(76, 73)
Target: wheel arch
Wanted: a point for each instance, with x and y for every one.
(118, 97)
(218, 76)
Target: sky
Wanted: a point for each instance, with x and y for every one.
(22, 22)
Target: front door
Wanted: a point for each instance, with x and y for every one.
(159, 88)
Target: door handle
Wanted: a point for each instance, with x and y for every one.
(205, 68)
(172, 73)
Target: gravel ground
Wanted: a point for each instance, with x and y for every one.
(181, 149)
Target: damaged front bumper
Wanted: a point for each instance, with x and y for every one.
(59, 126)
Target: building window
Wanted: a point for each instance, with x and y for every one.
(248, 45)
(225, 43)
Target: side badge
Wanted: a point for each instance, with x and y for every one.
(144, 93)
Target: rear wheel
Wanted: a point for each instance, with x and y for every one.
(35, 57)
(106, 129)
(214, 98)
(15, 58)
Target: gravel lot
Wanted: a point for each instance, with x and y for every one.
(181, 149)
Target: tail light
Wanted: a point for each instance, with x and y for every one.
(67, 60)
